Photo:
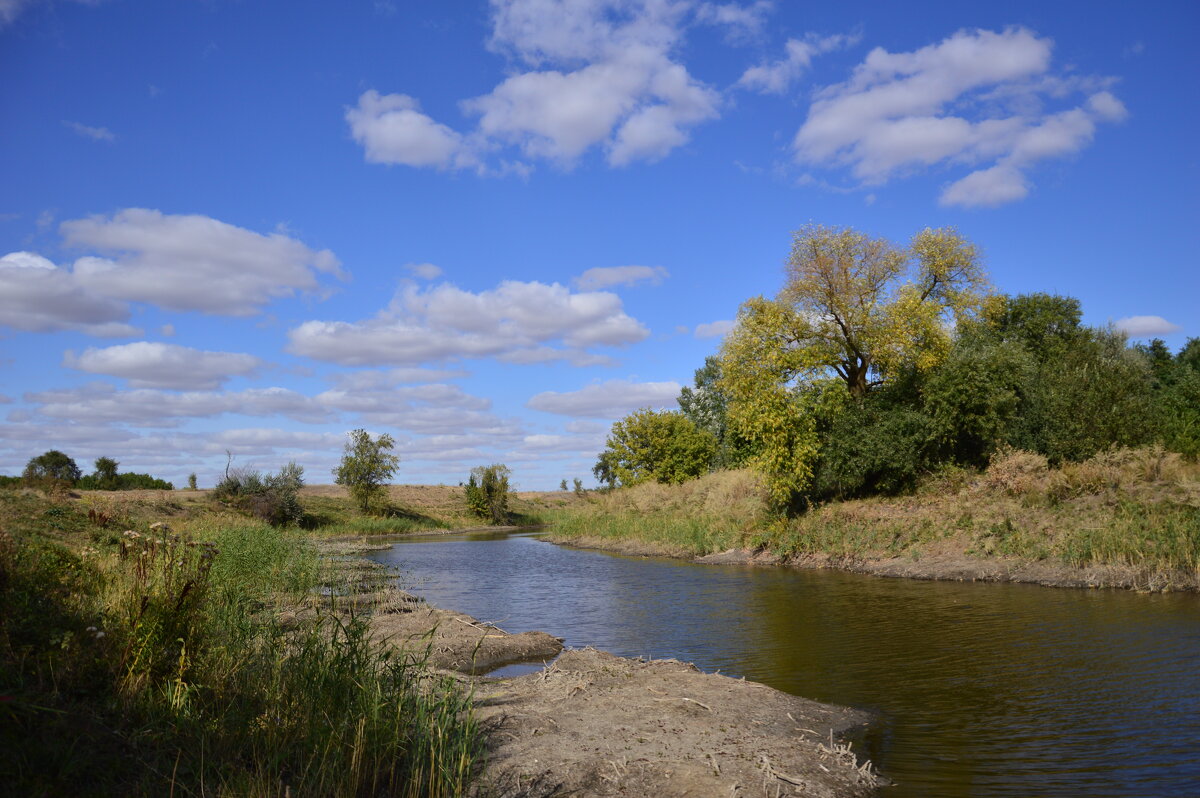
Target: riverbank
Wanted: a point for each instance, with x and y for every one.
(591, 723)
(1126, 519)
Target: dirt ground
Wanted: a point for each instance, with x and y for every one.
(593, 724)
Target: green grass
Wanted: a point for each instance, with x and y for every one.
(154, 663)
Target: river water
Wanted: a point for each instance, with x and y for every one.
(980, 689)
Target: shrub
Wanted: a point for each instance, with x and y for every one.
(487, 492)
(273, 498)
(51, 468)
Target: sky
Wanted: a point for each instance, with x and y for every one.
(242, 228)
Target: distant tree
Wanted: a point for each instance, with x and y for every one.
(487, 492)
(106, 473)
(605, 469)
(192, 482)
(664, 446)
(578, 486)
(367, 466)
(51, 467)
(562, 485)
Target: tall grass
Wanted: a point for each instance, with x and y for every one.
(1136, 508)
(157, 665)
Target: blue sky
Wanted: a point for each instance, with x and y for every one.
(491, 229)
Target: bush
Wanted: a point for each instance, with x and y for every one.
(51, 468)
(274, 498)
(487, 492)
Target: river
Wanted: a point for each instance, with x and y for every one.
(980, 689)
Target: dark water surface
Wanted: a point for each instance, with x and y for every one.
(981, 689)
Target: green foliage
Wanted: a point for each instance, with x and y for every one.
(974, 397)
(1044, 324)
(127, 481)
(578, 486)
(192, 482)
(707, 406)
(49, 468)
(367, 466)
(1097, 395)
(487, 492)
(106, 473)
(273, 498)
(562, 485)
(662, 446)
(881, 444)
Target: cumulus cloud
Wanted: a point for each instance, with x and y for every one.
(777, 76)
(715, 329)
(37, 296)
(1146, 326)
(514, 321)
(192, 262)
(94, 133)
(611, 399)
(157, 365)
(597, 74)
(392, 129)
(608, 276)
(976, 98)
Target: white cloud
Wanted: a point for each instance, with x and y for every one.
(157, 365)
(389, 378)
(95, 133)
(714, 329)
(426, 271)
(607, 276)
(776, 77)
(743, 22)
(192, 262)
(37, 296)
(597, 74)
(611, 399)
(1146, 326)
(99, 403)
(392, 129)
(515, 321)
(11, 9)
(901, 112)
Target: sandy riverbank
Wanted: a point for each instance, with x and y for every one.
(594, 724)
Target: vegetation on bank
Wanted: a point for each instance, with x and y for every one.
(1134, 508)
(876, 366)
(149, 660)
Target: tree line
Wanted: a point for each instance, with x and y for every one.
(876, 364)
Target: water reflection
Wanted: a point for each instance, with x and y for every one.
(982, 690)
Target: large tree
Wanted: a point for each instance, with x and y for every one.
(854, 312)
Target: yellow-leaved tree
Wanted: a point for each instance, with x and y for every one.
(853, 312)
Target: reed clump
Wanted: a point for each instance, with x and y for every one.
(154, 662)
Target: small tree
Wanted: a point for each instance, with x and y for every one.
(51, 467)
(367, 465)
(192, 482)
(562, 485)
(487, 492)
(652, 445)
(578, 486)
(106, 473)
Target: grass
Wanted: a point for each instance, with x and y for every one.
(1136, 509)
(154, 662)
